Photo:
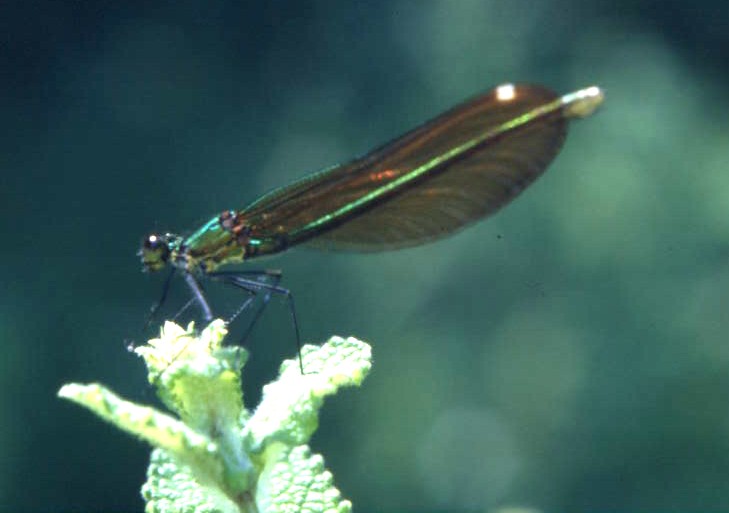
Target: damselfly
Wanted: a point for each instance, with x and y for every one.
(429, 183)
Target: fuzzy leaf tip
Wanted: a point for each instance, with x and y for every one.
(218, 457)
(289, 409)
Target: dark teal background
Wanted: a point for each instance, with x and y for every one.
(568, 354)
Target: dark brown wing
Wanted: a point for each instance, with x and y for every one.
(449, 172)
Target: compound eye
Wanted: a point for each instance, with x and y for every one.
(155, 251)
(153, 242)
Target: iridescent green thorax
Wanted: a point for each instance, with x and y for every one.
(225, 239)
(209, 247)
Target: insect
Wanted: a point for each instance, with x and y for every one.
(429, 183)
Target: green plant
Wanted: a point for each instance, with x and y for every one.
(217, 456)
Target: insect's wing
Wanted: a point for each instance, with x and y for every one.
(449, 172)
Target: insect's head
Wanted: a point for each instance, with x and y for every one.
(156, 249)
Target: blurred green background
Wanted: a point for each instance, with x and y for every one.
(568, 354)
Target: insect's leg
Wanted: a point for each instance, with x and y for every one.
(197, 293)
(241, 280)
(242, 308)
(155, 307)
(184, 308)
(274, 274)
(229, 277)
(292, 308)
(253, 287)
